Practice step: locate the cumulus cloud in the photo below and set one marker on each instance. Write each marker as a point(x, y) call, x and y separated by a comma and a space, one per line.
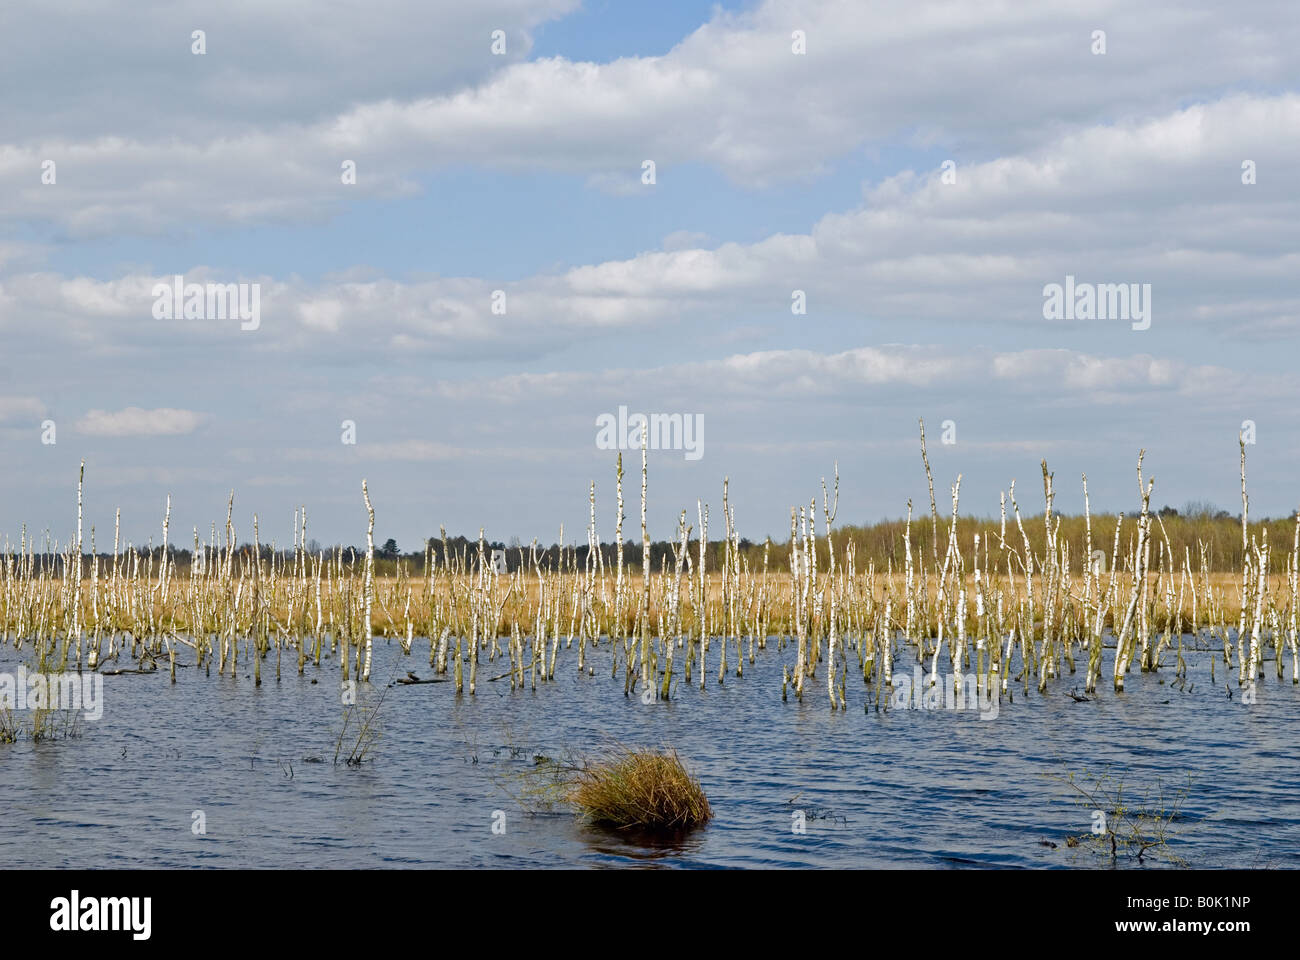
point(267, 63)
point(861, 371)
point(924, 296)
point(921, 260)
point(136, 422)
point(731, 95)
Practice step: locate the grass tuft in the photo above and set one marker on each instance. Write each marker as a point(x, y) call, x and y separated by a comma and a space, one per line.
point(650, 789)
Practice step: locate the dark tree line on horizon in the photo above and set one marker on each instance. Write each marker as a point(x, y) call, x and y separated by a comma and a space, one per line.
point(881, 543)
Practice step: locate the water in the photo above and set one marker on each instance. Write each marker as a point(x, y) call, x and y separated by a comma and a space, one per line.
point(910, 788)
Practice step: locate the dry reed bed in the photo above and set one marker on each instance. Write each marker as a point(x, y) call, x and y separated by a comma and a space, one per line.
point(1002, 612)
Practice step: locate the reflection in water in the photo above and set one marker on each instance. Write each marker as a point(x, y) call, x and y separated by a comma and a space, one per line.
point(642, 847)
point(935, 788)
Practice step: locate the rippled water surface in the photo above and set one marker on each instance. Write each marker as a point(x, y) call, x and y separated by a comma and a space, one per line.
point(905, 788)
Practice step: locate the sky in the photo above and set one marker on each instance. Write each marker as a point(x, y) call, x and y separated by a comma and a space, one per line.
point(462, 263)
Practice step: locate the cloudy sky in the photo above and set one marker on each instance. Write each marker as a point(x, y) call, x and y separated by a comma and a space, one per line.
point(921, 171)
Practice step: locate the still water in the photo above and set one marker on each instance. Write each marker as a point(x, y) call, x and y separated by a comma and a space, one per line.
point(907, 788)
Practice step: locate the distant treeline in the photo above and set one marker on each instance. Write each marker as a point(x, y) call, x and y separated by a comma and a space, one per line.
point(1219, 532)
point(881, 543)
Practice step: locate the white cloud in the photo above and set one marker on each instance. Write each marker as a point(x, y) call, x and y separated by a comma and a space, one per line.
point(924, 298)
point(269, 62)
point(861, 371)
point(20, 408)
point(135, 422)
point(1218, 255)
point(731, 95)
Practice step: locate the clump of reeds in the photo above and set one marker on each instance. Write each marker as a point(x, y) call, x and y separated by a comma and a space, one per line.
point(10, 731)
point(648, 789)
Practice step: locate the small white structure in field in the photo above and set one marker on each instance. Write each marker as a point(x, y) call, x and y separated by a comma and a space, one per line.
point(498, 561)
point(1099, 562)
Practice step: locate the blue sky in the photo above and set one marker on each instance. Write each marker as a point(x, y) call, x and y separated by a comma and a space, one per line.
point(775, 172)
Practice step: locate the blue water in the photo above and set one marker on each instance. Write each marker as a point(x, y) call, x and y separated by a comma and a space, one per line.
point(914, 788)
